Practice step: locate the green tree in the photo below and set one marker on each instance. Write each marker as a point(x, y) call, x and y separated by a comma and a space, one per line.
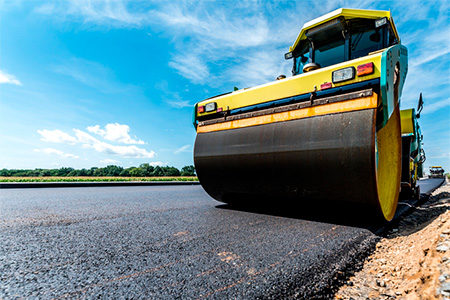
point(112, 170)
point(136, 172)
point(125, 172)
point(158, 171)
point(188, 171)
point(171, 171)
point(147, 170)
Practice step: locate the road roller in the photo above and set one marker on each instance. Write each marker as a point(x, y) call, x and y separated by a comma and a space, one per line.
point(330, 133)
point(413, 155)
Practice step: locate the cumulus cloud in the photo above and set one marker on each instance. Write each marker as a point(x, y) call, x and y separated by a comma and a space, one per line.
point(56, 136)
point(88, 141)
point(112, 132)
point(115, 132)
point(56, 152)
point(8, 78)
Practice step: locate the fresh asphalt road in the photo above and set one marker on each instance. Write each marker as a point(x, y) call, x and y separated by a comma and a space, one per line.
point(429, 185)
point(166, 242)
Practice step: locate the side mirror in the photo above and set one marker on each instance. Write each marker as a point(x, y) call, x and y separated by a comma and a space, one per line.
point(419, 106)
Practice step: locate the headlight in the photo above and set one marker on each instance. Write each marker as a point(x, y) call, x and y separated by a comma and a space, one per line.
point(381, 22)
point(343, 74)
point(209, 107)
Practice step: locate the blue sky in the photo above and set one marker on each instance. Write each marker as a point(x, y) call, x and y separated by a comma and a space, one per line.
point(92, 83)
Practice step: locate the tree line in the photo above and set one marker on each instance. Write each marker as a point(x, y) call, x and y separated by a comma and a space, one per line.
point(144, 170)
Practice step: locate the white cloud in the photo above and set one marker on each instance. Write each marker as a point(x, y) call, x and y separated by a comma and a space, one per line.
point(157, 163)
point(180, 103)
point(430, 108)
point(191, 67)
point(109, 13)
point(184, 148)
point(89, 141)
point(8, 78)
point(109, 161)
point(172, 97)
point(92, 74)
point(204, 35)
point(115, 132)
point(259, 68)
point(218, 25)
point(56, 152)
point(56, 136)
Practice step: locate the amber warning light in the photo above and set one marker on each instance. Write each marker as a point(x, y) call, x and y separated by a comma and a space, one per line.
point(365, 69)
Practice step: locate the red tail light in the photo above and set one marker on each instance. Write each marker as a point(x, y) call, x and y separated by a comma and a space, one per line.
point(325, 85)
point(365, 69)
point(201, 109)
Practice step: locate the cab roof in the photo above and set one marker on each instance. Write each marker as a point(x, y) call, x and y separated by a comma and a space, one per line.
point(348, 14)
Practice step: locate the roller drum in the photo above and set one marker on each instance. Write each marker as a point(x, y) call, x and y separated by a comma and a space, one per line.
point(337, 157)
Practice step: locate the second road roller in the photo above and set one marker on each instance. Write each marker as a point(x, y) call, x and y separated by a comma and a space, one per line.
point(329, 133)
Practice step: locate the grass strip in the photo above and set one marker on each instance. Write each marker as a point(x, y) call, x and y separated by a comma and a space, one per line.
point(94, 179)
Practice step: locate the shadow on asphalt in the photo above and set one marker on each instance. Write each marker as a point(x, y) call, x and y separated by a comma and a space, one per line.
point(345, 215)
point(424, 212)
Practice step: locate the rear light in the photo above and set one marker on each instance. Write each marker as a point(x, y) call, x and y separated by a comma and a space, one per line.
point(365, 69)
point(219, 109)
point(343, 74)
point(325, 85)
point(201, 109)
point(211, 106)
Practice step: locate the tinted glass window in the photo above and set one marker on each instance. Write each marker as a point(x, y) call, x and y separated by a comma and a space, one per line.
point(364, 42)
point(392, 38)
point(330, 54)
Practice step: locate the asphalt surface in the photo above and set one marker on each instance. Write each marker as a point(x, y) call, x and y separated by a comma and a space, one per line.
point(429, 185)
point(168, 242)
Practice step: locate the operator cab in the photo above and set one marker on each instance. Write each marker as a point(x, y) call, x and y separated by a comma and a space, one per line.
point(341, 40)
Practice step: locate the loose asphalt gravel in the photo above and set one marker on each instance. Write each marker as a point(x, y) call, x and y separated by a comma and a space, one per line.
point(168, 242)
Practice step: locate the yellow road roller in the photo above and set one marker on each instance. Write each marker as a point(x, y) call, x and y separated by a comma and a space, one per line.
point(329, 133)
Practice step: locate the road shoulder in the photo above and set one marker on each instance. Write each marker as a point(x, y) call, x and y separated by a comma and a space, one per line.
point(412, 260)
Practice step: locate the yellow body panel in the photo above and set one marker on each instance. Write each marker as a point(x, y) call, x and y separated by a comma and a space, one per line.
point(347, 14)
point(389, 148)
point(331, 108)
point(292, 86)
point(407, 122)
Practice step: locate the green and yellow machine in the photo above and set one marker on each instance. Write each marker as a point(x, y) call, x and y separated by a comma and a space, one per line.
point(331, 132)
point(436, 172)
point(413, 155)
